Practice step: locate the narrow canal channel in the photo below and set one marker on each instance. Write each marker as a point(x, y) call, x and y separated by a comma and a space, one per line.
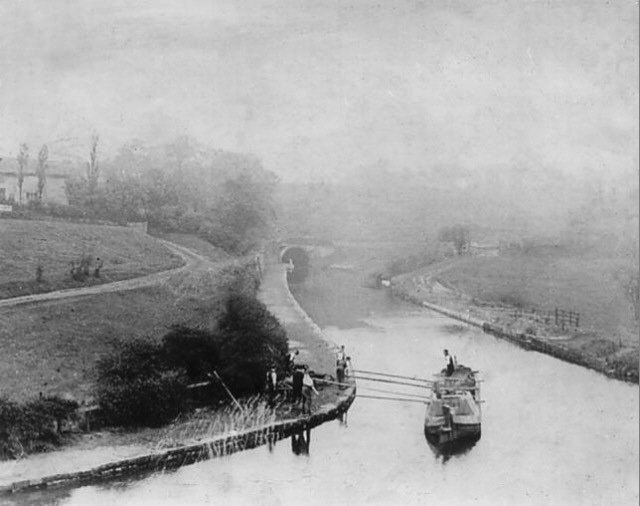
point(553, 433)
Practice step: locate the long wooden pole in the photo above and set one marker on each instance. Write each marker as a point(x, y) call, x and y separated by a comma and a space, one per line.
point(228, 391)
point(371, 389)
point(390, 398)
point(358, 377)
point(387, 375)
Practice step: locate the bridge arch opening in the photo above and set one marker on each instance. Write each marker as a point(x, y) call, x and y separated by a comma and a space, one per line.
point(300, 259)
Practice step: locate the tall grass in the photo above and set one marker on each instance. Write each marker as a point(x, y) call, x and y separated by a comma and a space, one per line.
point(208, 423)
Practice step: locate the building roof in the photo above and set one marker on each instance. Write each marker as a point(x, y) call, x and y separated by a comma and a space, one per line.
point(55, 168)
point(55, 175)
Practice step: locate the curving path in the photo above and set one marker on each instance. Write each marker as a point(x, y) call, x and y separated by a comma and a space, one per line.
point(192, 261)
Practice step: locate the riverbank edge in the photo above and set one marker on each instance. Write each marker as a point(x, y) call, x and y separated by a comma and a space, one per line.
point(523, 340)
point(219, 446)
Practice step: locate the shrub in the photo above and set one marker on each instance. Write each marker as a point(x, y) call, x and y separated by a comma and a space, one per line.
point(33, 426)
point(251, 340)
point(191, 350)
point(239, 280)
point(143, 383)
point(136, 388)
point(145, 401)
point(221, 237)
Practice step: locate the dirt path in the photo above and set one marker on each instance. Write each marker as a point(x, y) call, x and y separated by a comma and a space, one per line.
point(94, 450)
point(192, 261)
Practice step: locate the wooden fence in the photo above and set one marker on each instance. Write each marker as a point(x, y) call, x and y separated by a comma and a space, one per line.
point(559, 317)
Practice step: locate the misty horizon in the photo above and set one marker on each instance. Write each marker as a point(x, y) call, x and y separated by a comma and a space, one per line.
point(318, 90)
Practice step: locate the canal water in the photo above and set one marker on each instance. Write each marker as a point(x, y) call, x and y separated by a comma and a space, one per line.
point(553, 433)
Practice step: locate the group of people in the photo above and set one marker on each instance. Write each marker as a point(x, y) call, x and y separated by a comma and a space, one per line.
point(302, 385)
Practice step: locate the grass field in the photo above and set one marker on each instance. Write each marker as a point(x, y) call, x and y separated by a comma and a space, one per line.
point(51, 347)
point(594, 287)
point(490, 288)
point(25, 244)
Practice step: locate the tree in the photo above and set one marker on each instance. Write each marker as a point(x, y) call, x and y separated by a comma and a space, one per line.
point(43, 155)
point(23, 161)
point(458, 235)
point(252, 341)
point(135, 387)
point(93, 169)
point(245, 208)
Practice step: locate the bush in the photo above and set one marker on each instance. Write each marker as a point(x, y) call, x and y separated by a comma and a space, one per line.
point(145, 401)
point(252, 340)
point(135, 386)
point(193, 351)
point(33, 426)
point(221, 237)
point(239, 280)
point(143, 383)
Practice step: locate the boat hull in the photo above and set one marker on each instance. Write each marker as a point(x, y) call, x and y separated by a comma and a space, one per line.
point(453, 413)
point(438, 435)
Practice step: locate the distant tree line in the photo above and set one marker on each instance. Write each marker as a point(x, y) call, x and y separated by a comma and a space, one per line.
point(224, 197)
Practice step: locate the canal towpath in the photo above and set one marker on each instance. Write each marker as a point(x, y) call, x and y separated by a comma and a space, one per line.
point(106, 451)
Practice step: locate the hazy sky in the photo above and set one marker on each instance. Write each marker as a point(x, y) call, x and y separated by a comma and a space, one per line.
point(316, 87)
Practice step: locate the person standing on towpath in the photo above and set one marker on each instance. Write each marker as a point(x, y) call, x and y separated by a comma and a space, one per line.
point(296, 391)
point(291, 360)
point(308, 389)
point(341, 365)
point(272, 383)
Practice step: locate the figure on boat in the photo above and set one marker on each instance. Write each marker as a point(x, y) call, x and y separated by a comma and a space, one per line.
point(450, 365)
point(453, 412)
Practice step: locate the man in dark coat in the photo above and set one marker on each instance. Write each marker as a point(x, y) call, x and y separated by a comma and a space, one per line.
point(296, 390)
point(272, 383)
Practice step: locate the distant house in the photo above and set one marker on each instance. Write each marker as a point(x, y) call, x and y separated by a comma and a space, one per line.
point(54, 187)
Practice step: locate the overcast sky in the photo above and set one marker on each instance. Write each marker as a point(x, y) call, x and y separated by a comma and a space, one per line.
point(316, 87)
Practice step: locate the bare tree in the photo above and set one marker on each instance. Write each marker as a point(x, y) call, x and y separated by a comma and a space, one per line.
point(23, 161)
point(93, 170)
point(43, 156)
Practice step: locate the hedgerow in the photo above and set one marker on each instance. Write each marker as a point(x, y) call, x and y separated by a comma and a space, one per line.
point(144, 383)
point(32, 426)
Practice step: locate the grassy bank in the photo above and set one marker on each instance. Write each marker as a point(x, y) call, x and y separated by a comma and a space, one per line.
point(51, 347)
point(52, 245)
point(516, 290)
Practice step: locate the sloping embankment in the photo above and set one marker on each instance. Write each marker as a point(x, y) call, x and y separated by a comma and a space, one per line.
point(524, 340)
point(317, 352)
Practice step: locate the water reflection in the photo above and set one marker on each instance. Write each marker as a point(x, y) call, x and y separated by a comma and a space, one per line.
point(300, 442)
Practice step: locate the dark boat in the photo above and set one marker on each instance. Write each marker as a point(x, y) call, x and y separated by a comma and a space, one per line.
point(453, 415)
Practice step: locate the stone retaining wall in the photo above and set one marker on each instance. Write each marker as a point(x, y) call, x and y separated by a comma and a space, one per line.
point(177, 457)
point(215, 447)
